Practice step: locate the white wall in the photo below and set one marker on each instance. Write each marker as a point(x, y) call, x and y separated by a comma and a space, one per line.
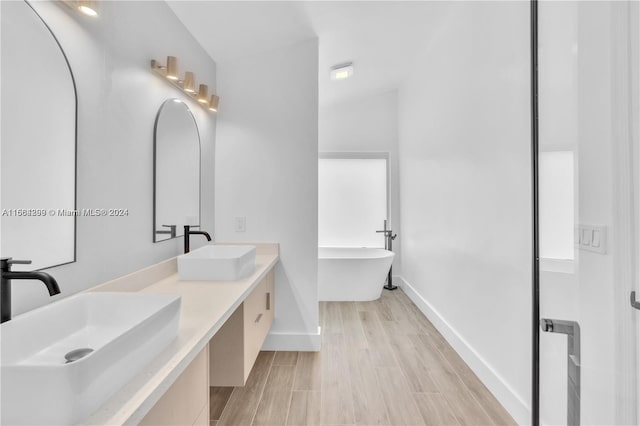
point(368, 124)
point(118, 98)
point(267, 171)
point(464, 140)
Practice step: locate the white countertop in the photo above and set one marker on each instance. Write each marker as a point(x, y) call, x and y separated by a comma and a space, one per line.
point(205, 306)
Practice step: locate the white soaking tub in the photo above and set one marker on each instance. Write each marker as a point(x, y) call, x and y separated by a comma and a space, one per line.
point(351, 273)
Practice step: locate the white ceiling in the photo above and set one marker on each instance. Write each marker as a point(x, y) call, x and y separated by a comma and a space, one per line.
point(381, 38)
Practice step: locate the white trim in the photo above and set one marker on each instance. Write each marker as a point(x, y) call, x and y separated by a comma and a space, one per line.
point(301, 342)
point(510, 400)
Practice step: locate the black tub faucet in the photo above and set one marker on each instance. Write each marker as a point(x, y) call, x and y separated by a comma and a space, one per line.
point(188, 232)
point(389, 236)
point(8, 275)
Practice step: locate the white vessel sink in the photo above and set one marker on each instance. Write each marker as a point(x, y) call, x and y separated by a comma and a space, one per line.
point(125, 330)
point(218, 262)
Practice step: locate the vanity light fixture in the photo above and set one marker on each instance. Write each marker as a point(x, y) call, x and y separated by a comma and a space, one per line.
point(213, 103)
point(86, 7)
point(342, 71)
point(203, 94)
point(189, 82)
point(172, 68)
point(170, 74)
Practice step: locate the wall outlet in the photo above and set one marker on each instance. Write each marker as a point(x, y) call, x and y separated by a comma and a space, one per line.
point(240, 223)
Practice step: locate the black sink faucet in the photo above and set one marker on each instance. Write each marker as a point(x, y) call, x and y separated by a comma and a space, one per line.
point(188, 232)
point(8, 275)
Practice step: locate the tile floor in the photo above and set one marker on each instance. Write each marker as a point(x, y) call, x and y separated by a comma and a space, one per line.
point(382, 363)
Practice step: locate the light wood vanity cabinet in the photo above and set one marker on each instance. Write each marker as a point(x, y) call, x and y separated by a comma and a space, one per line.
point(226, 361)
point(234, 348)
point(187, 400)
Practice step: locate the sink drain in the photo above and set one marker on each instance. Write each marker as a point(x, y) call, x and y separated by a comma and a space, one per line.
point(76, 354)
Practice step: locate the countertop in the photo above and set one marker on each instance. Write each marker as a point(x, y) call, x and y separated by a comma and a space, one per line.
point(205, 306)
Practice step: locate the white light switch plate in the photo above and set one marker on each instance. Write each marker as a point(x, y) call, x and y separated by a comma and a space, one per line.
point(240, 223)
point(592, 238)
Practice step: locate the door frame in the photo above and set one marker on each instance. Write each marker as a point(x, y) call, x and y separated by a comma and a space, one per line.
point(535, 229)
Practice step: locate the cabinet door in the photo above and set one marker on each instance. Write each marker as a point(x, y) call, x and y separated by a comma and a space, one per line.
point(236, 345)
point(226, 352)
point(185, 401)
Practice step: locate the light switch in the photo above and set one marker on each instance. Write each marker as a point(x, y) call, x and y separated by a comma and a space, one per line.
point(240, 224)
point(593, 238)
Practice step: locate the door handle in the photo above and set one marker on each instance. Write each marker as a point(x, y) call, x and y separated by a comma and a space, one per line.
point(634, 302)
point(572, 330)
point(258, 318)
point(268, 301)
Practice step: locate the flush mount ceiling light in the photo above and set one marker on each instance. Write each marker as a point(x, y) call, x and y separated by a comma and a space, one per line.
point(169, 73)
point(342, 71)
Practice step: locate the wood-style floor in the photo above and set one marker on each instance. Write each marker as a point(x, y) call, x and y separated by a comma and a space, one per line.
point(382, 363)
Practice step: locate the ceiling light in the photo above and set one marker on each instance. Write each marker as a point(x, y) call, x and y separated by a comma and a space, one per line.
point(342, 71)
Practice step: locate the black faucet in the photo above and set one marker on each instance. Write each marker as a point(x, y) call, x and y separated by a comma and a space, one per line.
point(188, 232)
point(8, 275)
point(389, 236)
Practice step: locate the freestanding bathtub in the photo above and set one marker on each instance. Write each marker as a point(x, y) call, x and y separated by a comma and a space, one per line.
point(352, 274)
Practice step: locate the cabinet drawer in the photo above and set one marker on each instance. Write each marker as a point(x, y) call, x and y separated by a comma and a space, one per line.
point(270, 302)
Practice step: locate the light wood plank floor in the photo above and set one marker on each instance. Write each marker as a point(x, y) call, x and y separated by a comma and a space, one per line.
point(382, 363)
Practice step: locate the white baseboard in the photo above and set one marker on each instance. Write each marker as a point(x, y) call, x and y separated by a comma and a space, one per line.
point(519, 409)
point(309, 342)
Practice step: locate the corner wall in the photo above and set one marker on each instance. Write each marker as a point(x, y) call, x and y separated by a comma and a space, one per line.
point(267, 172)
point(118, 98)
point(464, 148)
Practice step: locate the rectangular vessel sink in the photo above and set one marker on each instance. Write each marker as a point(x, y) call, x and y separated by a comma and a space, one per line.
point(218, 262)
point(124, 330)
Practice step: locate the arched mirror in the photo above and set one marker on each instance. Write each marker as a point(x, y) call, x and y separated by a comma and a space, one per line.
point(38, 141)
point(176, 171)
